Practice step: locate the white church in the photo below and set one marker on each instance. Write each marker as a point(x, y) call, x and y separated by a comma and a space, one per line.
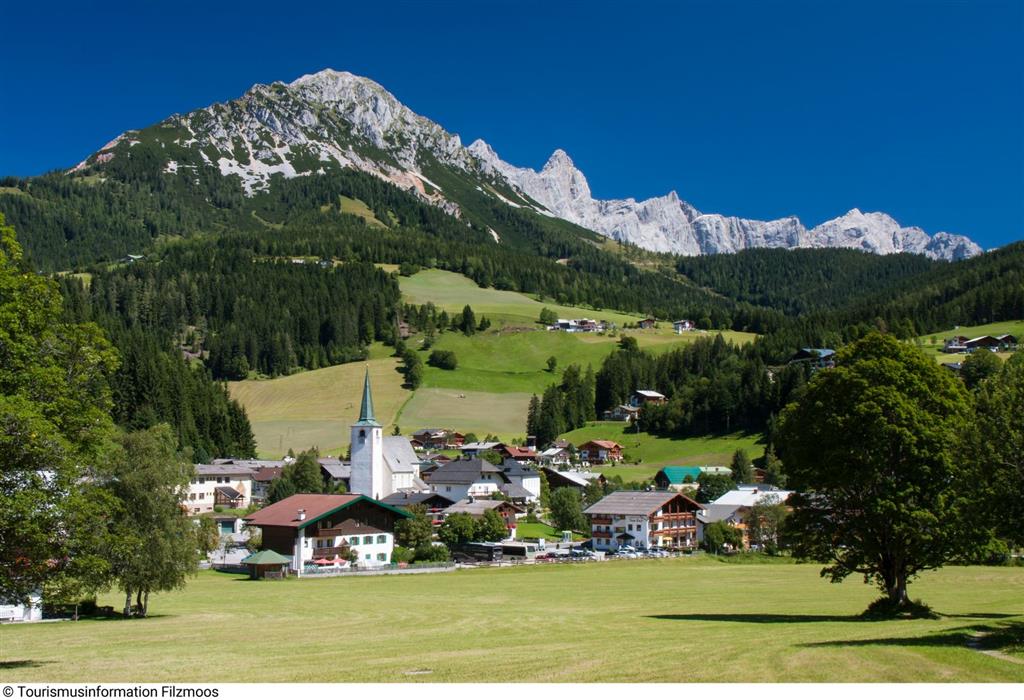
point(380, 465)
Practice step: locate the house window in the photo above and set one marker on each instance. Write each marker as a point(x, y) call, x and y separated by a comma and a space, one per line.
point(368, 556)
point(382, 557)
point(382, 539)
point(362, 436)
point(191, 497)
point(368, 540)
point(448, 489)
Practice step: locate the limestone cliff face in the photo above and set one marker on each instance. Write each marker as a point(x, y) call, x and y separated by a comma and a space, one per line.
point(333, 118)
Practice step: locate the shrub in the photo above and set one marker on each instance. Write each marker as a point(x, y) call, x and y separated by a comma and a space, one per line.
point(443, 359)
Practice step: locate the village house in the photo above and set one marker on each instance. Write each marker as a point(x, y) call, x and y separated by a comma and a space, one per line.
point(600, 451)
point(683, 326)
point(1007, 342)
point(622, 412)
point(476, 507)
point(315, 530)
point(987, 342)
point(818, 358)
point(22, 612)
point(227, 485)
point(734, 506)
point(523, 482)
point(642, 397)
point(437, 439)
point(644, 519)
point(471, 450)
point(571, 479)
point(554, 456)
point(676, 478)
point(433, 503)
point(261, 480)
point(647, 322)
point(519, 454)
point(467, 477)
point(956, 344)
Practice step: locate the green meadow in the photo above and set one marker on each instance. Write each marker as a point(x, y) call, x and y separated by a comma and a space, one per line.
point(1015, 328)
point(676, 620)
point(488, 392)
point(646, 454)
point(316, 408)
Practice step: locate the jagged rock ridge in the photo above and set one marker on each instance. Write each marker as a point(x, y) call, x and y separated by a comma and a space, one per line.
point(336, 118)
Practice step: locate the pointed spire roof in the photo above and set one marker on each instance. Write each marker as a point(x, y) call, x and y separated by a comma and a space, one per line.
point(366, 416)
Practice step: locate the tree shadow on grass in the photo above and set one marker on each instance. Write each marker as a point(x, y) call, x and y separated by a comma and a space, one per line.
point(981, 637)
point(759, 618)
point(774, 618)
point(21, 663)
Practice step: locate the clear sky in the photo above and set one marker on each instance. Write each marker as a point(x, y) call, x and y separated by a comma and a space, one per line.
point(757, 109)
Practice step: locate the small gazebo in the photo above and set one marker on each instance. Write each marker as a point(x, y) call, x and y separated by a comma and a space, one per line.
point(267, 564)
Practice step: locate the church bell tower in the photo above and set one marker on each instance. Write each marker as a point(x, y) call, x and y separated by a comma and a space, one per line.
point(367, 445)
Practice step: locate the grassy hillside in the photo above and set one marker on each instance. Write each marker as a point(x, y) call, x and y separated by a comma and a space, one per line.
point(497, 372)
point(542, 623)
point(478, 412)
point(646, 454)
point(1012, 327)
point(316, 408)
point(451, 291)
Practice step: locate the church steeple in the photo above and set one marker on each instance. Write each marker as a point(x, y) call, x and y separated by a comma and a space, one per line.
point(366, 416)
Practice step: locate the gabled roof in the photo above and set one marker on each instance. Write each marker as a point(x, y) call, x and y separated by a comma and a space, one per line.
point(400, 499)
point(483, 446)
point(335, 468)
point(284, 513)
point(479, 506)
point(514, 468)
point(650, 393)
point(515, 491)
point(266, 556)
point(751, 495)
point(606, 444)
point(635, 502)
point(399, 455)
point(266, 473)
point(677, 475)
point(713, 512)
point(465, 471)
point(206, 470)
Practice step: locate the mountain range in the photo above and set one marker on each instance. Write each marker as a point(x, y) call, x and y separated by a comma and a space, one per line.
point(336, 119)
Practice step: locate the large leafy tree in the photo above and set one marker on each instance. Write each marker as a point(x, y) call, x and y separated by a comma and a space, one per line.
point(54, 418)
point(998, 444)
point(491, 527)
point(155, 546)
point(872, 447)
point(567, 509)
point(414, 532)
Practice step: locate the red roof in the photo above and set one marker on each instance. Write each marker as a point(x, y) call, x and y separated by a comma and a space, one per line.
point(285, 513)
point(516, 451)
point(266, 473)
point(606, 444)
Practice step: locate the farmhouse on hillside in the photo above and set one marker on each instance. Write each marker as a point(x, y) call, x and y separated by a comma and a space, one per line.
point(642, 397)
point(600, 451)
point(683, 326)
point(571, 479)
point(315, 530)
point(644, 519)
point(676, 478)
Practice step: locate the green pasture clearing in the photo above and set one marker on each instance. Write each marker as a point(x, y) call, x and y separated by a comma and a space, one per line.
point(641, 621)
point(646, 453)
point(451, 291)
point(359, 208)
point(1015, 328)
point(477, 412)
point(317, 407)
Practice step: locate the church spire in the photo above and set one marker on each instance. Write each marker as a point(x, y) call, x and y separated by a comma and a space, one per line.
point(366, 416)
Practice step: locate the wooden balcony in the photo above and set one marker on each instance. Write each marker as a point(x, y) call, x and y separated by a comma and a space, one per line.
point(328, 552)
point(600, 520)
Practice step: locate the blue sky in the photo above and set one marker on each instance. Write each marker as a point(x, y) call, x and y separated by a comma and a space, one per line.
point(755, 109)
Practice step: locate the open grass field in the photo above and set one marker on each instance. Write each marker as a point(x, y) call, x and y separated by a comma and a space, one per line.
point(477, 412)
point(646, 454)
point(1012, 327)
point(681, 620)
point(317, 407)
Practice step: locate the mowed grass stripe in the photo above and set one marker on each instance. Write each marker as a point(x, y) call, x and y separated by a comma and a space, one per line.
point(614, 621)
